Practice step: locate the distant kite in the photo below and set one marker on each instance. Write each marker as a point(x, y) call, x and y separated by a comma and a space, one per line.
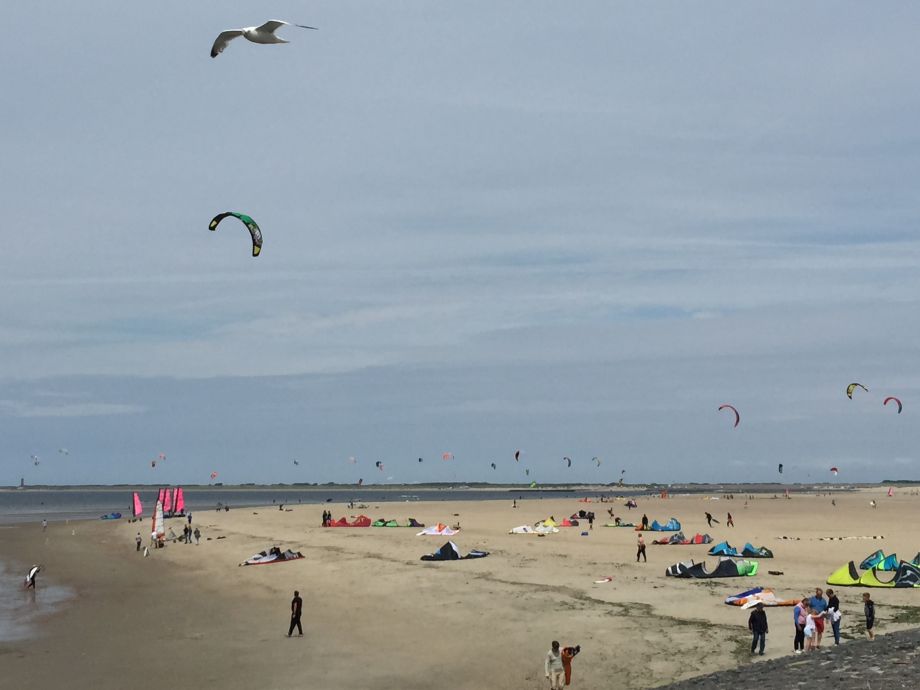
point(213, 476)
point(891, 397)
point(420, 460)
point(447, 456)
point(517, 456)
point(379, 465)
point(493, 465)
point(250, 224)
point(297, 463)
point(732, 408)
point(834, 471)
point(596, 461)
point(527, 472)
point(852, 387)
point(352, 460)
point(780, 468)
point(35, 460)
point(63, 451)
point(568, 460)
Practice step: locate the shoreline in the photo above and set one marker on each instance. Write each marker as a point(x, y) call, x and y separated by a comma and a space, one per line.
point(378, 617)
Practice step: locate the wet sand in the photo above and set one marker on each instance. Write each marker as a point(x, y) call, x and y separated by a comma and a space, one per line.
point(377, 617)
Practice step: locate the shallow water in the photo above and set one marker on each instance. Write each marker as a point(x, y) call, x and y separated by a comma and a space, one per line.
point(33, 505)
point(21, 609)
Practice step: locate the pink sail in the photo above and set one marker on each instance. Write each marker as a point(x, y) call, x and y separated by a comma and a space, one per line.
point(160, 495)
point(138, 507)
point(167, 501)
point(179, 502)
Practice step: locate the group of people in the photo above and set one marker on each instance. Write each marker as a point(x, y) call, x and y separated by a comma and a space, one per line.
point(327, 517)
point(729, 521)
point(558, 665)
point(810, 616)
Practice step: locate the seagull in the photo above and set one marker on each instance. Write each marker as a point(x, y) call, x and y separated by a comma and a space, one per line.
point(264, 34)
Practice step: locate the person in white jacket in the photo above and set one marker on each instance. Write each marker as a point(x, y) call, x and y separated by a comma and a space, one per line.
point(553, 667)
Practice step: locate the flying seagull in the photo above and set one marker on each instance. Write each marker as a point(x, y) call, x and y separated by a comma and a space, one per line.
point(264, 34)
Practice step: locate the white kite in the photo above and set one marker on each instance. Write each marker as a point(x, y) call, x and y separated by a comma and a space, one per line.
point(264, 34)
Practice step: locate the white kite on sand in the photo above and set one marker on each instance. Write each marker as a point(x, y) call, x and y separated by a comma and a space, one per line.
point(264, 34)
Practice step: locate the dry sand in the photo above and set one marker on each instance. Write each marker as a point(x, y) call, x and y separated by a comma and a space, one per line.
point(377, 617)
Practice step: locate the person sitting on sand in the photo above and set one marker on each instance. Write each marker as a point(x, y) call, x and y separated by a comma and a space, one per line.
point(553, 667)
point(617, 521)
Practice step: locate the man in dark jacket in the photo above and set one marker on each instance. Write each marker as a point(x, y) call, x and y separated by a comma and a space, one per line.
point(757, 624)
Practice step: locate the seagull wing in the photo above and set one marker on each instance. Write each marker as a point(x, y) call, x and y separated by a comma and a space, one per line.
point(271, 26)
point(223, 38)
point(274, 24)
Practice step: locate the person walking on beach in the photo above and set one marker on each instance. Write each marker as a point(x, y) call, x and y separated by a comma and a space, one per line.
point(296, 608)
point(555, 671)
point(798, 620)
point(757, 624)
point(640, 543)
point(729, 522)
point(137, 542)
point(869, 610)
point(44, 524)
point(197, 536)
point(591, 520)
point(189, 516)
point(818, 606)
point(710, 519)
point(833, 612)
point(569, 653)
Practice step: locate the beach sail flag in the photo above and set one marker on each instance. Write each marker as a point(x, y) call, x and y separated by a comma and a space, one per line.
point(890, 491)
point(138, 507)
point(167, 501)
point(179, 501)
point(158, 527)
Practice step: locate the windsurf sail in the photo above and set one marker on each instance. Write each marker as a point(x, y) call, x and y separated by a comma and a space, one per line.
point(167, 501)
point(158, 527)
point(138, 507)
point(179, 502)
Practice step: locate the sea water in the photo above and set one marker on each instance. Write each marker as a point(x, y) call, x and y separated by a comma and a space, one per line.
point(22, 610)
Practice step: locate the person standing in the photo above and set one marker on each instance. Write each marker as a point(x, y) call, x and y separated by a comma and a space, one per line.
point(757, 624)
point(44, 524)
point(640, 544)
point(818, 606)
point(569, 653)
point(729, 522)
point(833, 611)
point(137, 542)
point(189, 516)
point(798, 619)
point(869, 610)
point(555, 671)
point(591, 520)
point(296, 608)
point(710, 519)
point(644, 521)
point(197, 536)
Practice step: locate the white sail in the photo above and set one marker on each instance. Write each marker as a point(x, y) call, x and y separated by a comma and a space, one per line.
point(158, 520)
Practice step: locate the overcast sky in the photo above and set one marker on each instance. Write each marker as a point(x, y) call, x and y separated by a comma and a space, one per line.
point(571, 229)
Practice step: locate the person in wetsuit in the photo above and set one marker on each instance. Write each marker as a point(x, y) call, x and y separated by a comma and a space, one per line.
point(296, 608)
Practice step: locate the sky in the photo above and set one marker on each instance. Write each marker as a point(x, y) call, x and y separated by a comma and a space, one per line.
point(566, 230)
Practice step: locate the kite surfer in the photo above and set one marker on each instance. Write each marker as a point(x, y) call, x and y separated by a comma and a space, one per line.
point(296, 608)
point(729, 522)
point(710, 519)
point(30, 578)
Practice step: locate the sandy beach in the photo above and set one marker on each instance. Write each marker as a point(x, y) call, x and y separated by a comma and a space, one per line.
point(377, 617)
